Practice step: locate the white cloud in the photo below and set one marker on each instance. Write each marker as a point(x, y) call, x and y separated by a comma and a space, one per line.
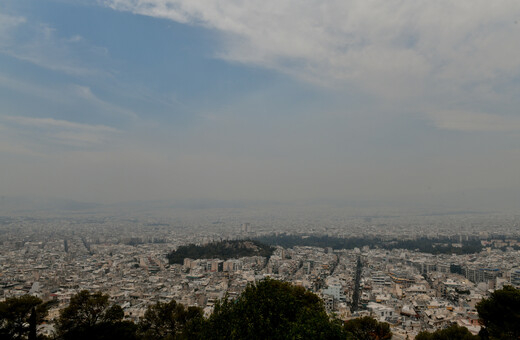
point(390, 47)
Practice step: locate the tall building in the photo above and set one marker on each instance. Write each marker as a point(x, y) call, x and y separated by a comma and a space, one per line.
point(515, 277)
point(246, 227)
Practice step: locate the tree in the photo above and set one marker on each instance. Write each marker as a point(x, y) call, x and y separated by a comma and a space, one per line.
point(18, 315)
point(367, 328)
point(32, 324)
point(90, 316)
point(500, 314)
point(272, 310)
point(171, 321)
point(454, 332)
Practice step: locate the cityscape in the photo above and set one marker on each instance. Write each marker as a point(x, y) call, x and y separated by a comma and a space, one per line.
point(54, 258)
point(260, 169)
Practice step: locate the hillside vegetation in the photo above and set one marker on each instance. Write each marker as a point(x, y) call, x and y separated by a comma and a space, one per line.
point(441, 245)
point(223, 250)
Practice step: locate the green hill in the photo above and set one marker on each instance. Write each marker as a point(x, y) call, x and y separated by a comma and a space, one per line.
point(223, 250)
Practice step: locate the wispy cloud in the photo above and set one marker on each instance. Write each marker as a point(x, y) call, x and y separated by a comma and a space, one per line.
point(39, 44)
point(46, 123)
point(32, 55)
point(67, 94)
point(38, 132)
point(7, 23)
point(86, 93)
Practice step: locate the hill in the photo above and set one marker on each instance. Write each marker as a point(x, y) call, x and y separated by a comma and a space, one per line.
point(222, 250)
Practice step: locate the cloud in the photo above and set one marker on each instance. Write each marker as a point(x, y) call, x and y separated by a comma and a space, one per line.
point(86, 93)
point(46, 123)
point(71, 95)
point(75, 39)
point(41, 45)
point(389, 47)
point(474, 121)
point(37, 133)
point(422, 56)
point(7, 23)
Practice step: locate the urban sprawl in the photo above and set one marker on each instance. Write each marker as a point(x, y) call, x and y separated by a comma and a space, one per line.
point(54, 258)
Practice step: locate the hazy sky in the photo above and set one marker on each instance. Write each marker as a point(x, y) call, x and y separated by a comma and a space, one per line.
point(280, 100)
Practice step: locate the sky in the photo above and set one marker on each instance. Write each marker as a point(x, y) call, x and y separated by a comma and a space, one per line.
point(270, 100)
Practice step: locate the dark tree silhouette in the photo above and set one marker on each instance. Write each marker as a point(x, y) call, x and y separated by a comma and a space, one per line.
point(32, 324)
point(272, 309)
point(367, 328)
point(500, 314)
point(20, 315)
point(170, 321)
point(91, 316)
point(454, 332)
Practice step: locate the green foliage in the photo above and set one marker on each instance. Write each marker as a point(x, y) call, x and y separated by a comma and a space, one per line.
point(367, 328)
point(90, 316)
point(454, 332)
point(170, 321)
point(272, 310)
point(18, 315)
point(500, 314)
point(423, 244)
point(223, 250)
